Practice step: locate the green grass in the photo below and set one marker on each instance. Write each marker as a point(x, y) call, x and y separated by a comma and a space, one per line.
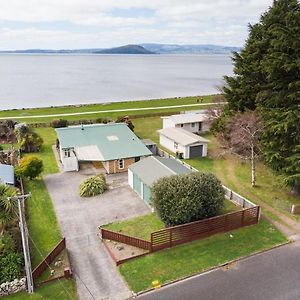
point(62, 290)
point(140, 227)
point(30, 113)
point(46, 154)
point(42, 223)
point(200, 255)
point(146, 128)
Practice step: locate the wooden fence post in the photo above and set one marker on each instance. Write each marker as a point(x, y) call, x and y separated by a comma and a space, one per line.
point(242, 219)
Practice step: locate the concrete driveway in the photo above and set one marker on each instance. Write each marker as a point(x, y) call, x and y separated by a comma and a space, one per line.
point(95, 273)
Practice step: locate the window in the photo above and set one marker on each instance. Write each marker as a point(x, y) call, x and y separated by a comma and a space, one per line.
point(193, 124)
point(175, 145)
point(67, 153)
point(136, 159)
point(121, 163)
point(200, 126)
point(181, 125)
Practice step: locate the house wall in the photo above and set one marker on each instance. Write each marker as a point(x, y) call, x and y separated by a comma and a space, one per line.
point(169, 144)
point(195, 129)
point(130, 178)
point(112, 166)
point(167, 123)
point(70, 163)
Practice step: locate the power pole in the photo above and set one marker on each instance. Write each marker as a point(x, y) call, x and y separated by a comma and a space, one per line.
point(24, 234)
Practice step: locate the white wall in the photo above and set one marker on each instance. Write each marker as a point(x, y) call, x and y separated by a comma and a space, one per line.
point(195, 129)
point(69, 163)
point(169, 144)
point(167, 123)
point(130, 178)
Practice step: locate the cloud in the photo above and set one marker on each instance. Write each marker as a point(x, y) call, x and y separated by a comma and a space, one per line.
point(104, 23)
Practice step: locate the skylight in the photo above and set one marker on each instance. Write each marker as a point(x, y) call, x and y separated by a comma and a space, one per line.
point(112, 138)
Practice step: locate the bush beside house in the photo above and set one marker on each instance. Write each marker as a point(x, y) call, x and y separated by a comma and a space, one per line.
point(181, 199)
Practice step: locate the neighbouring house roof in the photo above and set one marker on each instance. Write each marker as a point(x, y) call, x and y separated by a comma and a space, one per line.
point(182, 137)
point(7, 174)
point(102, 141)
point(152, 168)
point(188, 118)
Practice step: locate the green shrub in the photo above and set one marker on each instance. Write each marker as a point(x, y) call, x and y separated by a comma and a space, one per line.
point(30, 167)
point(181, 199)
point(11, 265)
point(11, 262)
point(59, 123)
point(93, 186)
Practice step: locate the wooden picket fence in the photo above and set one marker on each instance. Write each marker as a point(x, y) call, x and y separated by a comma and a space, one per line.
point(173, 236)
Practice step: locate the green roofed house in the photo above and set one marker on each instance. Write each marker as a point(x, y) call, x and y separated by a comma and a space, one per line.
point(145, 172)
point(114, 144)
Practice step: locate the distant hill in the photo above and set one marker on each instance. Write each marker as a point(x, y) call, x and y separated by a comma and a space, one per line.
point(138, 49)
point(189, 49)
point(128, 49)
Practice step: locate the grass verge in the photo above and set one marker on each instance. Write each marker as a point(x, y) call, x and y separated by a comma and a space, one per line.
point(198, 256)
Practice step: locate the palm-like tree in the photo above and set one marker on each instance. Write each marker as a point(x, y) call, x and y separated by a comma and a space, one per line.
point(8, 207)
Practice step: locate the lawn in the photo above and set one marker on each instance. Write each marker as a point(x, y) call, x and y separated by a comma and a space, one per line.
point(62, 290)
point(141, 227)
point(233, 172)
point(200, 255)
point(30, 113)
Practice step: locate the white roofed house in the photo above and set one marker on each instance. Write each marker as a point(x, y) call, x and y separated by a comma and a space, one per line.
point(192, 122)
point(182, 142)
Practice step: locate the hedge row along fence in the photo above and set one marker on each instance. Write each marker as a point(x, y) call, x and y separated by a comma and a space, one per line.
point(173, 236)
point(94, 120)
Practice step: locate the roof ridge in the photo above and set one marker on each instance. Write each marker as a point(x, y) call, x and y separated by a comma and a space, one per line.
point(164, 165)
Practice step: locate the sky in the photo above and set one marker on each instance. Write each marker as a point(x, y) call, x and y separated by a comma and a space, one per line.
point(73, 24)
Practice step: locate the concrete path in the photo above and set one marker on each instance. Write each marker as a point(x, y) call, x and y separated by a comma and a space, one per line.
point(95, 273)
point(273, 275)
point(111, 111)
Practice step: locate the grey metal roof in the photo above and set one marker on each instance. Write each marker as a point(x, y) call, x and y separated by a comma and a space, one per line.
point(148, 142)
point(152, 168)
point(182, 136)
point(7, 174)
point(114, 141)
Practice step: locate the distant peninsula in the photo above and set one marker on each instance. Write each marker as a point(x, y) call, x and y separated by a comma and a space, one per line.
point(128, 49)
point(137, 49)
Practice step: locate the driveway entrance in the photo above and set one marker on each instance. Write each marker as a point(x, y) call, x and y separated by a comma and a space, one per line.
point(95, 273)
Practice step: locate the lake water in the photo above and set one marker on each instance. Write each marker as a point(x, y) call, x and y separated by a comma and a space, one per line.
point(45, 80)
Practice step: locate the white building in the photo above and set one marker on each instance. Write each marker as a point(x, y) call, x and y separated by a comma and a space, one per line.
point(192, 122)
point(183, 142)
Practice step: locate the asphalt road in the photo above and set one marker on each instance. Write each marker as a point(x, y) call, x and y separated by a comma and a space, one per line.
point(273, 275)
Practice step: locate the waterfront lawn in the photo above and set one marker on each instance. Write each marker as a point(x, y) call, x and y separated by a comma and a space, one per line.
point(30, 113)
point(200, 255)
point(62, 290)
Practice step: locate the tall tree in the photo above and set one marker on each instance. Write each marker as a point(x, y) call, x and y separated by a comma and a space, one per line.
point(267, 78)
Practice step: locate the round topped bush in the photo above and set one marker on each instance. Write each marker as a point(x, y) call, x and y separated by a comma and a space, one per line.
point(181, 199)
point(93, 186)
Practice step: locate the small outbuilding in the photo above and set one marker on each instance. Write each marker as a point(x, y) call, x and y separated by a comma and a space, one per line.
point(7, 175)
point(114, 145)
point(192, 122)
point(145, 172)
point(184, 143)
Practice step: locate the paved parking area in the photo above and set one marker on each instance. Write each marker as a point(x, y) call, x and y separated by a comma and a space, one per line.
point(95, 273)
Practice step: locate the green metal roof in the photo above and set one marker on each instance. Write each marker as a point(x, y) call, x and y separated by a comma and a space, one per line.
point(114, 141)
point(152, 168)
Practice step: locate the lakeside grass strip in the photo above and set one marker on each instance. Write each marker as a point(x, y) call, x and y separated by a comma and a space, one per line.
point(111, 111)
